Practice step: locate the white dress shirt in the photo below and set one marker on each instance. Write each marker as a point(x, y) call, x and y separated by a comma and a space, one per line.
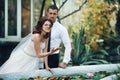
point(59, 34)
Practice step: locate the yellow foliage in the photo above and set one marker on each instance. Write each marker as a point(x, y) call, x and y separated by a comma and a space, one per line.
point(96, 20)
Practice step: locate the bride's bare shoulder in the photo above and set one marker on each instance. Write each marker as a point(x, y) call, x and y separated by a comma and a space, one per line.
point(35, 36)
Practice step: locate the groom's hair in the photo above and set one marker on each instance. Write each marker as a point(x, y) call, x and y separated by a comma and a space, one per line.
point(54, 7)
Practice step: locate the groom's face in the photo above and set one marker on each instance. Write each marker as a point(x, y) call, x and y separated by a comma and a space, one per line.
point(52, 14)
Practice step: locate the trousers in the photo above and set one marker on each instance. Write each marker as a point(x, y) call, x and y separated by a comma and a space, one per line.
point(53, 60)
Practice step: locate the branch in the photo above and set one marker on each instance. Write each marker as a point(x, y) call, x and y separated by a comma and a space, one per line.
point(74, 11)
point(63, 4)
point(54, 2)
point(42, 8)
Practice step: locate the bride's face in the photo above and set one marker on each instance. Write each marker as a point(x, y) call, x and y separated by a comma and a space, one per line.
point(46, 26)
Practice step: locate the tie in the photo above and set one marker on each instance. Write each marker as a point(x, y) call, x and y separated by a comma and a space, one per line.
point(49, 43)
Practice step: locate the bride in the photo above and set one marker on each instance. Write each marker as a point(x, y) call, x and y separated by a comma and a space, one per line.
point(31, 52)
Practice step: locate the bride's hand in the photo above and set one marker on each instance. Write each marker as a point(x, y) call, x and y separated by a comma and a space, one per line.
point(54, 50)
point(49, 69)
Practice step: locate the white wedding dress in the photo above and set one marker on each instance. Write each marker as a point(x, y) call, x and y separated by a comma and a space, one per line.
point(23, 59)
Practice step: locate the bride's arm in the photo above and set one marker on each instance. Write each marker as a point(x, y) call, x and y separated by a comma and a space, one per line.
point(46, 59)
point(36, 41)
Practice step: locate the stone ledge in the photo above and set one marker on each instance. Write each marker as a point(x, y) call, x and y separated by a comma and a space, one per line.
point(73, 70)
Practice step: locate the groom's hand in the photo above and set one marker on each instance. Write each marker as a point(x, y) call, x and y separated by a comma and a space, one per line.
point(62, 65)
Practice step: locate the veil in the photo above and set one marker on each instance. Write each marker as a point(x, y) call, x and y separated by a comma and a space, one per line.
point(22, 43)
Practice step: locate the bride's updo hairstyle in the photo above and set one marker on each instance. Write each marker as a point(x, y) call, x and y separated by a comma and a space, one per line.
point(38, 27)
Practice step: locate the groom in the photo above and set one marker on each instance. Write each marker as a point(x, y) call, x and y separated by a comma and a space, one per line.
point(58, 34)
